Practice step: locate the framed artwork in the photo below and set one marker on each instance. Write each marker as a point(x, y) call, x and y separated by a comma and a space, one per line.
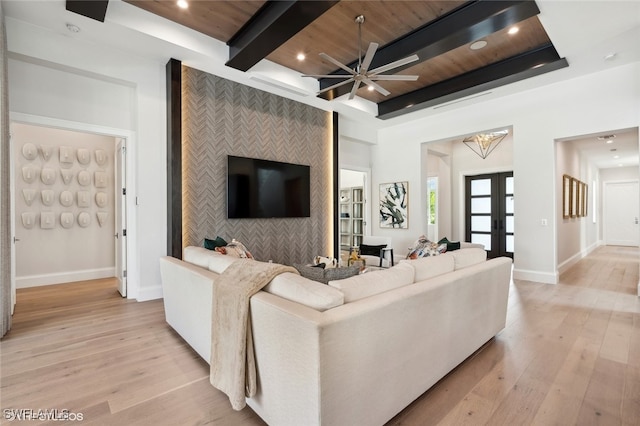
point(585, 199)
point(394, 205)
point(566, 196)
point(574, 197)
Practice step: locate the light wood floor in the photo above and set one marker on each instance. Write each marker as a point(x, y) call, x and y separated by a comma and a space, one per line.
point(570, 354)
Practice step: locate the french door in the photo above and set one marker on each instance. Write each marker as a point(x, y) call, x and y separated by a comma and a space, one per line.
point(489, 212)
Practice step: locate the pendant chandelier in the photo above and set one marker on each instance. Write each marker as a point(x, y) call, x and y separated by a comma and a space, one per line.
point(483, 144)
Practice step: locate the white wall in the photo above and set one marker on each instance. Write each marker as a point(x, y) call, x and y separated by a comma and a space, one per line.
point(62, 254)
point(89, 85)
point(585, 105)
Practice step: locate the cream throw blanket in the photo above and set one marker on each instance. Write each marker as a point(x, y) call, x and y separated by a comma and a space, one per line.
point(233, 369)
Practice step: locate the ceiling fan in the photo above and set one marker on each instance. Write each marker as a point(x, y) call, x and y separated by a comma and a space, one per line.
point(362, 74)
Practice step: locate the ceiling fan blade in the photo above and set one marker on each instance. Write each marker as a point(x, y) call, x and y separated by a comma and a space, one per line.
point(338, 64)
point(327, 76)
point(395, 64)
point(354, 89)
point(376, 86)
point(326, 89)
point(396, 77)
point(368, 57)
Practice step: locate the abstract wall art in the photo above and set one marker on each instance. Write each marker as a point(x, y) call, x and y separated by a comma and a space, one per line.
point(394, 205)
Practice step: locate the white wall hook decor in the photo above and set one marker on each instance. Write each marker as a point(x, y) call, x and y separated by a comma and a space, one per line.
point(101, 199)
point(84, 156)
point(47, 196)
point(66, 154)
point(46, 152)
point(83, 199)
point(48, 176)
point(47, 220)
point(101, 157)
point(29, 151)
point(84, 178)
point(84, 219)
point(28, 219)
point(66, 198)
point(101, 179)
point(102, 217)
point(67, 176)
point(66, 220)
point(29, 174)
point(29, 195)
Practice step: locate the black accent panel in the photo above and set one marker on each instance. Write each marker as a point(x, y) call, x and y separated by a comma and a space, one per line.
point(174, 158)
point(530, 64)
point(275, 23)
point(469, 22)
point(94, 9)
point(336, 187)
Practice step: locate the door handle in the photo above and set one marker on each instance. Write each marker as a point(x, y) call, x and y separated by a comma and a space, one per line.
point(116, 235)
point(495, 224)
point(636, 220)
point(15, 240)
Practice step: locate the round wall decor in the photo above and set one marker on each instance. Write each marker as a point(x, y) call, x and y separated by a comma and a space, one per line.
point(29, 151)
point(84, 178)
point(66, 198)
point(84, 219)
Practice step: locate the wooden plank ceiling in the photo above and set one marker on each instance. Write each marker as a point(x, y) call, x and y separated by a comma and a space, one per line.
point(439, 32)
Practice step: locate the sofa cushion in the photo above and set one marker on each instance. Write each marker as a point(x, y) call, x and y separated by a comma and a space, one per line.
point(198, 256)
point(220, 262)
point(468, 256)
point(325, 275)
point(431, 266)
point(370, 283)
point(310, 293)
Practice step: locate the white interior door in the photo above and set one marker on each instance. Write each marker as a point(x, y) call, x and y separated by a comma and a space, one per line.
point(121, 215)
point(12, 209)
point(621, 213)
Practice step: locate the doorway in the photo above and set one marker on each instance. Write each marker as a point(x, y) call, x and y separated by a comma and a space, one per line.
point(489, 212)
point(621, 214)
point(71, 201)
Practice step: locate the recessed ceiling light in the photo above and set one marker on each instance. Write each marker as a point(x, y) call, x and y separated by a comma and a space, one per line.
point(609, 141)
point(300, 56)
point(538, 66)
point(513, 30)
point(477, 45)
point(606, 137)
point(616, 156)
point(610, 56)
point(73, 28)
point(182, 4)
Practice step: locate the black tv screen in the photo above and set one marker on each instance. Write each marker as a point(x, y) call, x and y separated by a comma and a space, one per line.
point(266, 189)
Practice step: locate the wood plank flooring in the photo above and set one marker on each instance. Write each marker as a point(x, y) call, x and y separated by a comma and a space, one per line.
point(570, 354)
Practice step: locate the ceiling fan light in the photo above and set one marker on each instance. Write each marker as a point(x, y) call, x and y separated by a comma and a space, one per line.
point(182, 4)
point(300, 56)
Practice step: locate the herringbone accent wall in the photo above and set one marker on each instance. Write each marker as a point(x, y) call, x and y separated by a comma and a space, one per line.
point(222, 117)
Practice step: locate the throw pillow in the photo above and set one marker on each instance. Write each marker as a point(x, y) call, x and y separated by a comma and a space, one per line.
point(326, 275)
point(237, 249)
point(423, 248)
point(212, 244)
point(366, 250)
point(451, 245)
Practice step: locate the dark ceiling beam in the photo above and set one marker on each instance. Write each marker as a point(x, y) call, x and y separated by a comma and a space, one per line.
point(94, 9)
point(274, 24)
point(526, 65)
point(468, 23)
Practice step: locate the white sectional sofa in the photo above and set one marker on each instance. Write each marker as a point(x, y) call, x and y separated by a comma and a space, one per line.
point(356, 351)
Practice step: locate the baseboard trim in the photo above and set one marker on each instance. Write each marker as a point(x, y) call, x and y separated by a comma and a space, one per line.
point(64, 277)
point(564, 266)
point(536, 276)
point(150, 293)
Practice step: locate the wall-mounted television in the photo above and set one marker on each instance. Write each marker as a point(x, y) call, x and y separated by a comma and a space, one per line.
point(266, 189)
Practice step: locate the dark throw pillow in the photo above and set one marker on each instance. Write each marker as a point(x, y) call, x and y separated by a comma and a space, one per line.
point(212, 244)
point(451, 245)
point(366, 250)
